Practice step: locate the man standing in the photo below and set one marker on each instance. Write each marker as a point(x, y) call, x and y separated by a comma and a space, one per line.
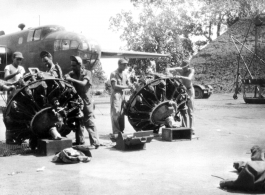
point(186, 76)
point(14, 71)
point(119, 82)
point(82, 81)
point(51, 68)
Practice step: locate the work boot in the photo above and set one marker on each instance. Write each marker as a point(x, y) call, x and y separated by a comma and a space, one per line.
point(113, 137)
point(96, 145)
point(78, 144)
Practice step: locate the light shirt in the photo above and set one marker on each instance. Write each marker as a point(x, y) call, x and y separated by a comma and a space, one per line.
point(12, 69)
point(120, 79)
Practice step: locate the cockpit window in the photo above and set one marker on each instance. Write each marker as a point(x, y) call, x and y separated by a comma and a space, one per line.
point(20, 40)
point(30, 35)
point(65, 44)
point(83, 46)
point(73, 45)
point(34, 35)
point(37, 35)
point(48, 30)
point(57, 45)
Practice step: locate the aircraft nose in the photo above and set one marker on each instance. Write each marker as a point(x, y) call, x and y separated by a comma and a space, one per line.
point(90, 64)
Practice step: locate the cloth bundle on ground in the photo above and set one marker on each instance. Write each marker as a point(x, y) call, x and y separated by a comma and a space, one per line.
point(75, 154)
point(251, 174)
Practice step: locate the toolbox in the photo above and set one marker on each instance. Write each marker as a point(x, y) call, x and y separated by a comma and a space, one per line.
point(133, 141)
point(47, 147)
point(181, 133)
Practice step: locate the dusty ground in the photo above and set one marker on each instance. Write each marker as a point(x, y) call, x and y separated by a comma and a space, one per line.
point(227, 129)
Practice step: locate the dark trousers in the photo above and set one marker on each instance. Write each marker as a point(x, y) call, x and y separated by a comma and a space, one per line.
point(89, 124)
point(79, 132)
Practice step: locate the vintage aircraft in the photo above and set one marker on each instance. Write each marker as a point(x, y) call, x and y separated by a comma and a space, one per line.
point(60, 43)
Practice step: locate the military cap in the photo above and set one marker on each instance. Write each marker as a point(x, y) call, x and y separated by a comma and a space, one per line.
point(17, 54)
point(122, 61)
point(77, 59)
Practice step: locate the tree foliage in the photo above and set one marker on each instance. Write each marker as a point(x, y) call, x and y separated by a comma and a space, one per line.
point(214, 16)
point(169, 26)
point(98, 76)
point(157, 29)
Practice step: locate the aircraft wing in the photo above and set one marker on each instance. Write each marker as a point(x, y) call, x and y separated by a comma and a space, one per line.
point(130, 54)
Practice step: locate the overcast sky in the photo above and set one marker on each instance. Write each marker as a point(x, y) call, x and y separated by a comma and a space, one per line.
point(89, 17)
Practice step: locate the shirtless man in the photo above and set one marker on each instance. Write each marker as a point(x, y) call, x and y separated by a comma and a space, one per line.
point(186, 75)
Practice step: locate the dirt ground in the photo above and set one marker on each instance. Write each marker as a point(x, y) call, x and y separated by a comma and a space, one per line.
point(226, 128)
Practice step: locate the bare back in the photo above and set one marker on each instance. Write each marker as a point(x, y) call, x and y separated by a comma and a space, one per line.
point(187, 73)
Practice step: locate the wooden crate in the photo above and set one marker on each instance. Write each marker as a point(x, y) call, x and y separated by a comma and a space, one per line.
point(182, 133)
point(49, 147)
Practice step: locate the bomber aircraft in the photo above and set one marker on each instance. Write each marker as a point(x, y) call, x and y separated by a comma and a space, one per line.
point(61, 44)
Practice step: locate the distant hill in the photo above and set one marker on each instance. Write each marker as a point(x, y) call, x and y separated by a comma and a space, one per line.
point(216, 64)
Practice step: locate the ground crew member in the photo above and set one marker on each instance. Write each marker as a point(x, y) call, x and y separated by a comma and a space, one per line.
point(186, 76)
point(51, 68)
point(82, 81)
point(119, 82)
point(14, 71)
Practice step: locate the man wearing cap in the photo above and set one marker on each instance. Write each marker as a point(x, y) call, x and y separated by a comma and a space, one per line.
point(52, 69)
point(186, 76)
point(119, 83)
point(14, 71)
point(82, 81)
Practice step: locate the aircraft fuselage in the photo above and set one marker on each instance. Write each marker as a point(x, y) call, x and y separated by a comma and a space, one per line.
point(52, 38)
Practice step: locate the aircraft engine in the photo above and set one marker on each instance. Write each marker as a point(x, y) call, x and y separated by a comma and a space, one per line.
point(155, 101)
point(42, 102)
